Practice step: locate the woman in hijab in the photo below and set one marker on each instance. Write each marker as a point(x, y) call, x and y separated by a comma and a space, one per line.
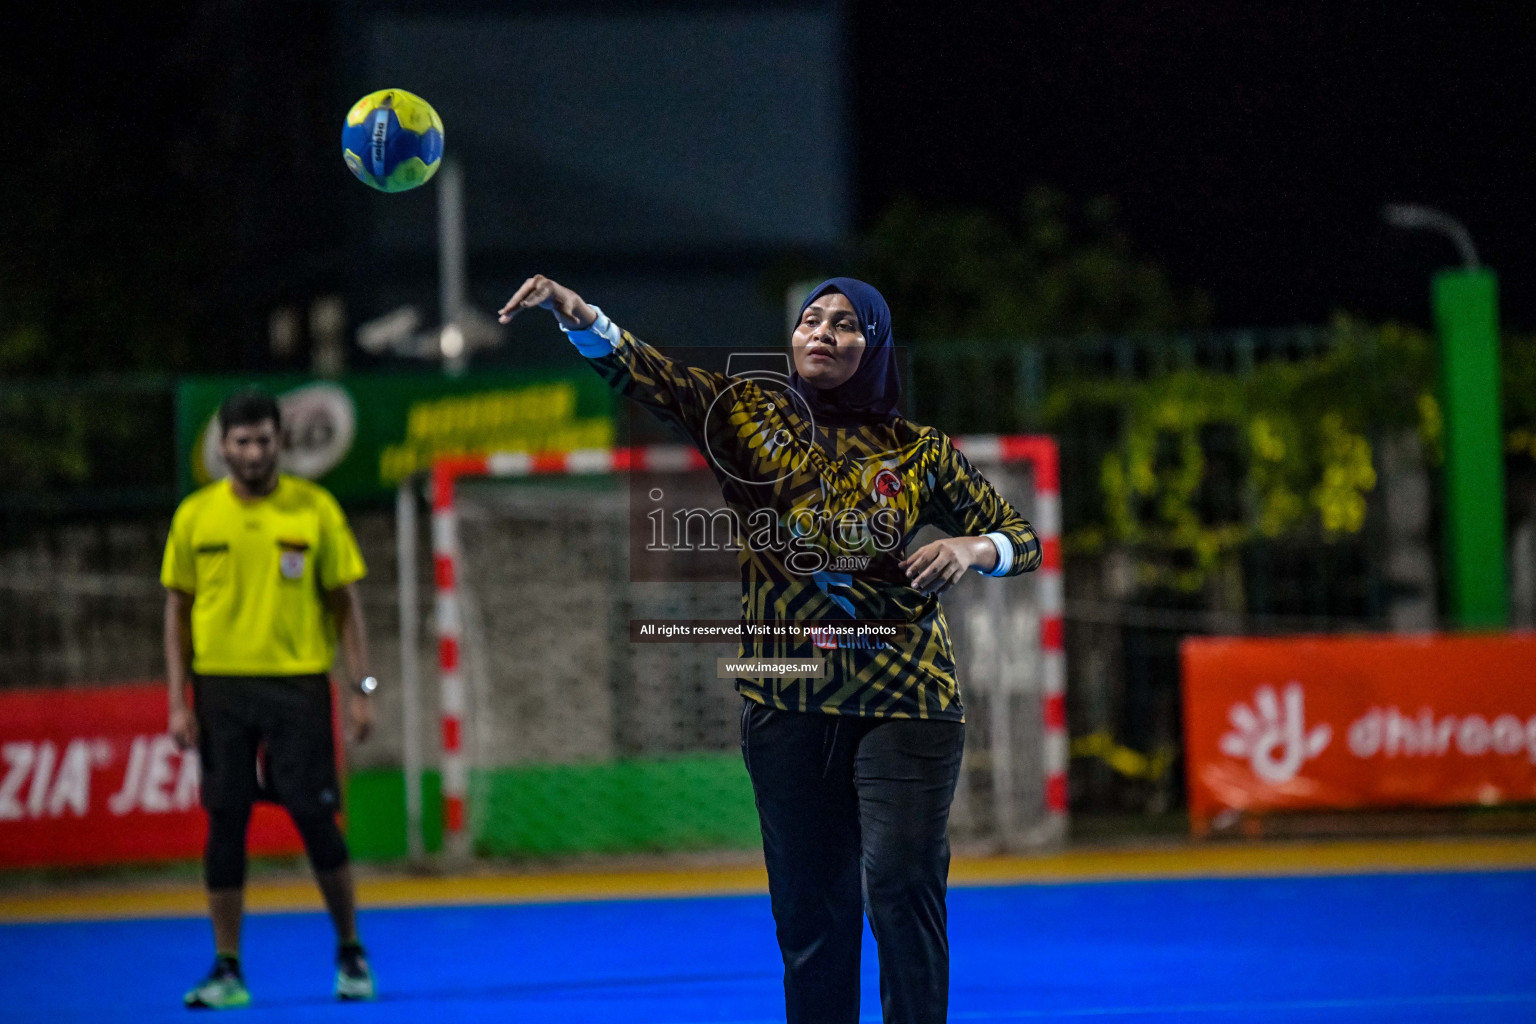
point(853, 769)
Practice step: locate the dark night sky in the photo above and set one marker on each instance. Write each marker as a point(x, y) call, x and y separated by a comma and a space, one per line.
point(1250, 145)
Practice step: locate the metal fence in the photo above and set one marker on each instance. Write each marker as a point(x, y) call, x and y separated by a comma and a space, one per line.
point(1001, 386)
point(81, 602)
point(1123, 631)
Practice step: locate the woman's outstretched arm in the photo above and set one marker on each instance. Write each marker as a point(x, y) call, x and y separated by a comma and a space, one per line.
point(677, 394)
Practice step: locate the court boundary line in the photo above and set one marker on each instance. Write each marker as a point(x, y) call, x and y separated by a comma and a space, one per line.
point(1300, 859)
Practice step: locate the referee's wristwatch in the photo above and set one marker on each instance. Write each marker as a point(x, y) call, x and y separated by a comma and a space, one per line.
point(367, 685)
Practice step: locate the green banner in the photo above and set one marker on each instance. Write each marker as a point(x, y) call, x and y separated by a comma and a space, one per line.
point(360, 435)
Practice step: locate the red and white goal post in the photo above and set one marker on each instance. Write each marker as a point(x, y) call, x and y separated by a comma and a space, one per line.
point(1008, 633)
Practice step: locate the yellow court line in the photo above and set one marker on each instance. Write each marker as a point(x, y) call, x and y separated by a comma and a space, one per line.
point(399, 891)
point(1217, 860)
point(1279, 858)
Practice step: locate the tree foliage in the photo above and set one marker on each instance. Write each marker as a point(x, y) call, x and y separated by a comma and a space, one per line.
point(1206, 462)
point(1051, 269)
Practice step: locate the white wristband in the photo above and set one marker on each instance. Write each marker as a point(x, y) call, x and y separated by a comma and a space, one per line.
point(1004, 554)
point(597, 340)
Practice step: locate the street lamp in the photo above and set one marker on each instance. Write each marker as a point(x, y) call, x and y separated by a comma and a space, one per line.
point(462, 329)
point(1410, 216)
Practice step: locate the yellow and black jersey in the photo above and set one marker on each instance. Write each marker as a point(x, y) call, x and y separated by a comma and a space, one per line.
point(826, 514)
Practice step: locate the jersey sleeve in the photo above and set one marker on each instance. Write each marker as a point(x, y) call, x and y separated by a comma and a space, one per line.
point(178, 567)
point(341, 561)
point(676, 394)
point(965, 504)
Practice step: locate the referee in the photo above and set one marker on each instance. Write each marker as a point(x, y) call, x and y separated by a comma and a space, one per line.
point(260, 572)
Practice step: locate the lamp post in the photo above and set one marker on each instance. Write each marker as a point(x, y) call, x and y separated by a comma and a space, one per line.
point(1465, 304)
point(450, 266)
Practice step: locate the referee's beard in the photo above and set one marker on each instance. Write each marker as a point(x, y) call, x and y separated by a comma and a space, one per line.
point(251, 452)
point(257, 479)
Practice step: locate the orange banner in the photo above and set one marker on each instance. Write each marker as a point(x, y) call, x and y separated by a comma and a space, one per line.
point(90, 776)
point(1355, 722)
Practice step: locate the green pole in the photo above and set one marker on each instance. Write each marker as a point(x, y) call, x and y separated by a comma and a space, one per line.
point(1466, 311)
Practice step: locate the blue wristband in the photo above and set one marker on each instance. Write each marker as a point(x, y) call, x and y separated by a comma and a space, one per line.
point(597, 340)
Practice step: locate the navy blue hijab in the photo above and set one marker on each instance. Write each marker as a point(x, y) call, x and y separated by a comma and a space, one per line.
point(872, 394)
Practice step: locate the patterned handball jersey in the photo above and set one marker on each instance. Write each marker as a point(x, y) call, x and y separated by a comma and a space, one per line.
point(824, 517)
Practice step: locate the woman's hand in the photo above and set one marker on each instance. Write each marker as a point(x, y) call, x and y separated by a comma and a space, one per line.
point(935, 567)
point(538, 290)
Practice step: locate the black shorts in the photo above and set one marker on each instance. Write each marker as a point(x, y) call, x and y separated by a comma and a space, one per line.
point(267, 738)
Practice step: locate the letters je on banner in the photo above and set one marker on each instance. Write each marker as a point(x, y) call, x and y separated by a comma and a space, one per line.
point(90, 776)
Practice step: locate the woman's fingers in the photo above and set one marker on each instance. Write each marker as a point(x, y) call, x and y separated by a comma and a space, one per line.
point(936, 584)
point(922, 556)
point(917, 561)
point(935, 567)
point(931, 565)
point(538, 290)
point(515, 303)
point(933, 584)
point(542, 291)
point(537, 294)
point(948, 576)
point(932, 568)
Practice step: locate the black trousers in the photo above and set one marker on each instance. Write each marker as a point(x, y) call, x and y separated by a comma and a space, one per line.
point(855, 817)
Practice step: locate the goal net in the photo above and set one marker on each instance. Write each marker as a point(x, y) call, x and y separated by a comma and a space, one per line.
point(565, 733)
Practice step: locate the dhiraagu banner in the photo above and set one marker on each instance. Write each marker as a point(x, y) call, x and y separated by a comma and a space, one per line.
point(360, 435)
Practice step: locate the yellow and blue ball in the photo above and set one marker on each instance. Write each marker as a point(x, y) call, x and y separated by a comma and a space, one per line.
point(393, 140)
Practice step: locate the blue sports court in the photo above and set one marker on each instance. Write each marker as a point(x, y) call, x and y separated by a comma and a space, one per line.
point(1422, 946)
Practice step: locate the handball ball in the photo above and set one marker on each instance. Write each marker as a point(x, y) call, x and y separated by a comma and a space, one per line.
point(393, 140)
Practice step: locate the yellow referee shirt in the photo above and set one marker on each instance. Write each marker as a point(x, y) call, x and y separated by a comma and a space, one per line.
point(258, 571)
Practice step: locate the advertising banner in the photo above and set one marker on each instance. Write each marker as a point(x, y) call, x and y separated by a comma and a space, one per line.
point(1358, 722)
point(91, 777)
point(360, 435)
